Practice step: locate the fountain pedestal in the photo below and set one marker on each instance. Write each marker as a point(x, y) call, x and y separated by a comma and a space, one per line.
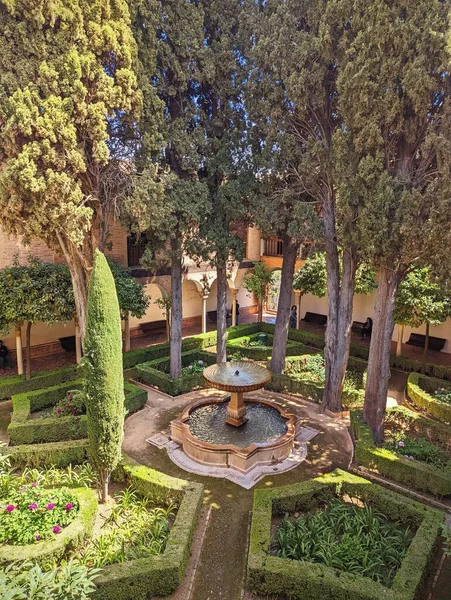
point(236, 410)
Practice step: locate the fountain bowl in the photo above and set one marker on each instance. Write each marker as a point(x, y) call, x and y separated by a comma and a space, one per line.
point(241, 458)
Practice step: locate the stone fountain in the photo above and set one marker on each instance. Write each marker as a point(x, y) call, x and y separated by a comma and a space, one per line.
point(237, 431)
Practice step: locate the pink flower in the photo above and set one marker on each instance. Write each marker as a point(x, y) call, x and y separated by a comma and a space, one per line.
point(59, 411)
point(56, 529)
point(50, 506)
point(37, 537)
point(10, 508)
point(69, 396)
point(69, 506)
point(67, 404)
point(34, 484)
point(74, 412)
point(33, 506)
point(401, 444)
point(190, 367)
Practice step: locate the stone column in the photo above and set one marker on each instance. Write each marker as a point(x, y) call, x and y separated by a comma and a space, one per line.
point(19, 355)
point(127, 332)
point(234, 293)
point(77, 342)
point(204, 312)
point(298, 296)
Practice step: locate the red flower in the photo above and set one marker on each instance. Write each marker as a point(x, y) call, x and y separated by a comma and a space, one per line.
point(56, 529)
point(50, 506)
point(69, 506)
point(10, 508)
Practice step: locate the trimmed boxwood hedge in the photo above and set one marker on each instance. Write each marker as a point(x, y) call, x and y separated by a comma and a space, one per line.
point(156, 575)
point(24, 431)
point(57, 454)
point(269, 574)
point(420, 389)
point(156, 373)
point(17, 384)
point(52, 550)
point(413, 473)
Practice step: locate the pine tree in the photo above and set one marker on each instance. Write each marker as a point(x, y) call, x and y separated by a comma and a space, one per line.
point(104, 374)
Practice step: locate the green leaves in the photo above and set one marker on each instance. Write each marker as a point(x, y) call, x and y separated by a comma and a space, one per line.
point(421, 298)
point(258, 280)
point(346, 537)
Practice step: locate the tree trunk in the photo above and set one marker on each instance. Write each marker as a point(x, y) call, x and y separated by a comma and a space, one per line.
point(298, 321)
point(28, 351)
point(426, 345)
point(221, 323)
point(176, 309)
point(260, 309)
point(168, 327)
point(378, 374)
point(399, 344)
point(103, 479)
point(339, 316)
point(279, 348)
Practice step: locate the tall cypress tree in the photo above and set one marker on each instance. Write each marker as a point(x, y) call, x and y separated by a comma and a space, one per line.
point(104, 373)
point(67, 87)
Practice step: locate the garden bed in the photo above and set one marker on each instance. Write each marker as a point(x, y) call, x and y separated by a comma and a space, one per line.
point(321, 578)
point(156, 373)
point(304, 375)
point(54, 427)
point(430, 395)
point(258, 346)
point(416, 452)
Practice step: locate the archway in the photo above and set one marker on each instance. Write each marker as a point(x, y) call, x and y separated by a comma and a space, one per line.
point(274, 292)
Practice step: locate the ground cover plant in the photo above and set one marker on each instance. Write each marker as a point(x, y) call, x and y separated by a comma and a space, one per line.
point(348, 537)
point(416, 448)
point(196, 366)
point(135, 528)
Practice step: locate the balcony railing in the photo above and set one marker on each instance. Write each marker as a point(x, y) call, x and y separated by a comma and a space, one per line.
point(272, 247)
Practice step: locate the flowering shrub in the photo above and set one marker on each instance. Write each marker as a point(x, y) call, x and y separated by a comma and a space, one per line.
point(32, 513)
point(196, 366)
point(416, 449)
point(72, 404)
point(443, 394)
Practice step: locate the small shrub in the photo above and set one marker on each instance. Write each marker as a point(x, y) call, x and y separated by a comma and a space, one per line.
point(416, 448)
point(443, 395)
point(72, 404)
point(197, 366)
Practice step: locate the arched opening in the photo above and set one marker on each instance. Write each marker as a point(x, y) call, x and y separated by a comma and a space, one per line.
point(274, 292)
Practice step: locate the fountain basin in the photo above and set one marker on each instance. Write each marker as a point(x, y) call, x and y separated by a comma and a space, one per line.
point(236, 455)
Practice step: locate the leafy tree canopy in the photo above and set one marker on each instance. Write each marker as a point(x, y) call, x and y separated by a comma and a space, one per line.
point(258, 279)
point(130, 293)
point(38, 291)
point(421, 298)
point(311, 278)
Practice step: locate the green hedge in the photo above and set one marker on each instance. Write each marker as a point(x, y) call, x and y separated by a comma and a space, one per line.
point(413, 473)
point(420, 389)
point(156, 373)
point(156, 575)
point(58, 454)
point(24, 431)
point(71, 536)
point(44, 379)
point(268, 574)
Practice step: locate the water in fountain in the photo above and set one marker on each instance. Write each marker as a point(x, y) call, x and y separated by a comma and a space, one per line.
point(265, 424)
